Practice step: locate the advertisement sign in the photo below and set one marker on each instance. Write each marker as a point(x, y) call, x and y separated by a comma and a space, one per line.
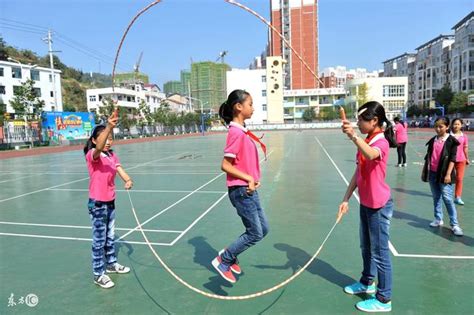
point(67, 125)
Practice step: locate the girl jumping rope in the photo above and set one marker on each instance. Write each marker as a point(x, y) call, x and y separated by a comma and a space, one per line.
point(439, 166)
point(103, 164)
point(243, 178)
point(401, 133)
point(376, 205)
point(462, 157)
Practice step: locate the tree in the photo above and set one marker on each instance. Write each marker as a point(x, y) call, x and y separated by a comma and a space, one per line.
point(309, 114)
point(458, 102)
point(328, 113)
point(144, 118)
point(3, 110)
point(444, 95)
point(413, 111)
point(363, 94)
point(26, 99)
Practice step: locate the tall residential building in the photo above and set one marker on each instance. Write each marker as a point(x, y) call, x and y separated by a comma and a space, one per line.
point(429, 76)
point(297, 21)
point(462, 72)
point(403, 66)
point(185, 81)
point(208, 84)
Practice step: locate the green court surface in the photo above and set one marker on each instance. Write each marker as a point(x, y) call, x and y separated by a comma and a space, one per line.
point(180, 197)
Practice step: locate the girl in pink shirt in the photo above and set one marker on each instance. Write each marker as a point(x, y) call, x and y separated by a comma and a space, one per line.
point(462, 158)
point(376, 205)
point(103, 164)
point(243, 178)
point(439, 172)
point(401, 133)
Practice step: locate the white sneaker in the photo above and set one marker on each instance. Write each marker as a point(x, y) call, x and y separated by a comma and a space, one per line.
point(457, 230)
point(398, 165)
point(104, 281)
point(117, 268)
point(404, 165)
point(436, 223)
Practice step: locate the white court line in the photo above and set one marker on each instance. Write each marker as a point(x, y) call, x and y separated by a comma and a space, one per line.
point(78, 180)
point(146, 191)
point(390, 245)
point(21, 177)
point(79, 227)
point(77, 238)
point(198, 219)
point(205, 212)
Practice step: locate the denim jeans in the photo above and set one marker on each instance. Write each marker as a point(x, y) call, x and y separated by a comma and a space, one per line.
point(254, 219)
point(102, 215)
point(374, 237)
point(445, 192)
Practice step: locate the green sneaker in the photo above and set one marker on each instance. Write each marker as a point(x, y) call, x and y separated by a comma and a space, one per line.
point(358, 288)
point(374, 306)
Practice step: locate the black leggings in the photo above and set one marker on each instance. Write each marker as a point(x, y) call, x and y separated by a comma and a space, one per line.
point(401, 153)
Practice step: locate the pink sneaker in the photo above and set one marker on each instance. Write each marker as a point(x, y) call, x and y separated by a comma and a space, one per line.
point(234, 267)
point(223, 269)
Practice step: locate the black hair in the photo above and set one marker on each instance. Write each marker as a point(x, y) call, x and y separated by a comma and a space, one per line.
point(373, 109)
point(95, 133)
point(444, 121)
point(226, 110)
point(454, 120)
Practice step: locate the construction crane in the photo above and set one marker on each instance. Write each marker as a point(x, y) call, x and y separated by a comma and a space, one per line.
point(222, 54)
point(136, 67)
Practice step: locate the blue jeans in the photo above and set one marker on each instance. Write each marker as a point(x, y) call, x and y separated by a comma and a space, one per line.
point(446, 192)
point(254, 219)
point(374, 237)
point(102, 215)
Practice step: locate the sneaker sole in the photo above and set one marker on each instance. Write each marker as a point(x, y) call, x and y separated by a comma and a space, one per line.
point(114, 271)
point(104, 286)
point(361, 292)
point(374, 311)
point(215, 264)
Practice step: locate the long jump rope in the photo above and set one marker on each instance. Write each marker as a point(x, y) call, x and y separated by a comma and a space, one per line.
point(139, 225)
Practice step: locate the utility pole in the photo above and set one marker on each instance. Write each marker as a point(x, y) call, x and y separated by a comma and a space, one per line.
point(49, 41)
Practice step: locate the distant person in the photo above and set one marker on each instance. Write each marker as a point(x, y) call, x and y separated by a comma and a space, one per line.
point(103, 164)
point(401, 134)
point(462, 158)
point(438, 170)
point(376, 205)
point(242, 166)
point(468, 124)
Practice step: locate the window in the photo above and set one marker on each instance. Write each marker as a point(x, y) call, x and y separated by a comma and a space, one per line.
point(16, 72)
point(394, 105)
point(37, 92)
point(50, 78)
point(393, 90)
point(51, 93)
point(1, 72)
point(264, 107)
point(92, 98)
point(16, 89)
point(35, 75)
point(264, 78)
point(264, 92)
point(2, 89)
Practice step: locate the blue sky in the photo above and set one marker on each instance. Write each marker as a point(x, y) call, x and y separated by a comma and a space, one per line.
point(360, 33)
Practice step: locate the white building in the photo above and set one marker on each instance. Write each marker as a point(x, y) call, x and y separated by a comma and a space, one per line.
point(13, 74)
point(129, 96)
point(462, 72)
point(336, 77)
point(254, 82)
point(401, 66)
point(391, 92)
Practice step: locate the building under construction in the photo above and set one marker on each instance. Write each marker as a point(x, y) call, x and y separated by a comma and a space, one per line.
point(208, 84)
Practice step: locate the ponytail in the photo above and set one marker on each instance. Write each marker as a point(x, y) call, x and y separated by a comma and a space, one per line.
point(226, 110)
point(389, 134)
point(95, 133)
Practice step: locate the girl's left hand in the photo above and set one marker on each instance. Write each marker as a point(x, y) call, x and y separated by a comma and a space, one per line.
point(257, 185)
point(447, 179)
point(128, 184)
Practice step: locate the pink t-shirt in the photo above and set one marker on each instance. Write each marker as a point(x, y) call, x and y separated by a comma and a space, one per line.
point(463, 143)
point(373, 190)
point(436, 155)
point(401, 132)
point(244, 152)
point(102, 175)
